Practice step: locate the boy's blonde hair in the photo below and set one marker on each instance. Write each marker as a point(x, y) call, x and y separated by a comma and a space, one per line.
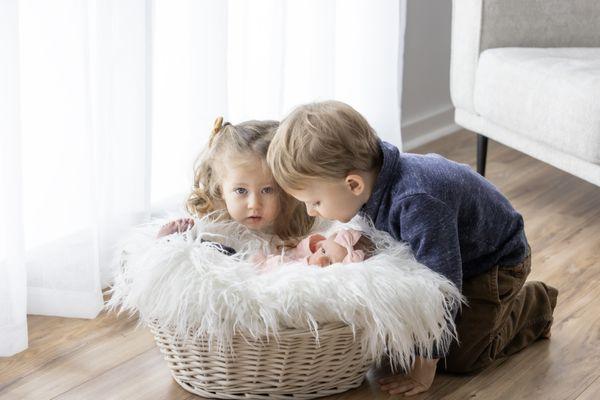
point(323, 140)
point(228, 142)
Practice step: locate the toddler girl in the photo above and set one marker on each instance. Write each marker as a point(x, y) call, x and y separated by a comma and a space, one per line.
point(232, 181)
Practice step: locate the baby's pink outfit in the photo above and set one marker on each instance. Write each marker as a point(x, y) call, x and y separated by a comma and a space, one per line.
point(345, 237)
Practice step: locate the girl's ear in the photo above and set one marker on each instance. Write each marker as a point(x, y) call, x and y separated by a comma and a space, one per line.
point(355, 183)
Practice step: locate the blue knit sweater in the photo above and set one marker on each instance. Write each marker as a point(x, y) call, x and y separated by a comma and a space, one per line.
point(456, 222)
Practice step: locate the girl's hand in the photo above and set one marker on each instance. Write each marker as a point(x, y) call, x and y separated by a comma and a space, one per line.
point(418, 380)
point(177, 226)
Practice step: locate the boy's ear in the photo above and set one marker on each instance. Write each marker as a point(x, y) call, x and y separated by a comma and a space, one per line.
point(355, 183)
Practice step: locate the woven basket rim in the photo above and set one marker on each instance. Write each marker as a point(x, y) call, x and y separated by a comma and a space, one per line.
point(285, 332)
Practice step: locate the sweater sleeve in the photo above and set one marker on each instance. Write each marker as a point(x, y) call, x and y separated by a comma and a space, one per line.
point(430, 228)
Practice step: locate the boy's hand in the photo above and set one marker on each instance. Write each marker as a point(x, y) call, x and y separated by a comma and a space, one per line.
point(418, 380)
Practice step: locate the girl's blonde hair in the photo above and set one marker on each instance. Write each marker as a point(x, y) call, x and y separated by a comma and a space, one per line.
point(251, 138)
point(323, 140)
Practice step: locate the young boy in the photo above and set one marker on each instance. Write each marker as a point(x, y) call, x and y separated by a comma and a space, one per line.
point(456, 222)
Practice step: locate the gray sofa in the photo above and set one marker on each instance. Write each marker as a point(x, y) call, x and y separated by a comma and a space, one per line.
point(526, 73)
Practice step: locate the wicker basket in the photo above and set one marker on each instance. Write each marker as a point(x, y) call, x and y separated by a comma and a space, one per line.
point(293, 367)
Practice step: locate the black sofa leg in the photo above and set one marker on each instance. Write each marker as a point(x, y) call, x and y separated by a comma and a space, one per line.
point(482, 143)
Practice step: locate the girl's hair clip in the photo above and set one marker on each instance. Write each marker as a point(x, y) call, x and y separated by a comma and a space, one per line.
point(218, 125)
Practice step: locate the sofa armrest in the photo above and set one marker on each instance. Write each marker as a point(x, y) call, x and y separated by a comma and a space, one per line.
point(478, 25)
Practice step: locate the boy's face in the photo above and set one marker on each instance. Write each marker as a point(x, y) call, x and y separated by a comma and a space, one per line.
point(335, 200)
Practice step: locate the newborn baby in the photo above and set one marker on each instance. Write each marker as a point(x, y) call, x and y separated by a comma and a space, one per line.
point(345, 246)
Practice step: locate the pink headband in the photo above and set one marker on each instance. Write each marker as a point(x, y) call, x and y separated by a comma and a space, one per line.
point(348, 238)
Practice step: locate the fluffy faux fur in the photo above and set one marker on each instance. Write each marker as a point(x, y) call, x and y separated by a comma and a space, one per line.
point(402, 307)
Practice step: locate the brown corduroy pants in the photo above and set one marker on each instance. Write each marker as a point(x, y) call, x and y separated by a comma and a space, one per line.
point(504, 314)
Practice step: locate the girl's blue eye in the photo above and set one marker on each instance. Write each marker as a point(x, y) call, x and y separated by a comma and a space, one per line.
point(240, 191)
point(268, 190)
point(316, 204)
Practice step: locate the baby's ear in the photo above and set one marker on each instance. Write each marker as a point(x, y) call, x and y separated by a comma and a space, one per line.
point(355, 183)
point(313, 240)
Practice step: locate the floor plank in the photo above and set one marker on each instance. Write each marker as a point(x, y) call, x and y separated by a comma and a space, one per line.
point(80, 365)
point(592, 392)
point(142, 377)
point(108, 358)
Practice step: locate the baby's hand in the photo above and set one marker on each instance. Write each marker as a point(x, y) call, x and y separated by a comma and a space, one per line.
point(178, 226)
point(418, 380)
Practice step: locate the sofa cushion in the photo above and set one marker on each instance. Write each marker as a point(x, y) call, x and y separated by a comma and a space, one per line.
point(551, 95)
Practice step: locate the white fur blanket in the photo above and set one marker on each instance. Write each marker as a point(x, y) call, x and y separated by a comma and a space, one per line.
point(402, 307)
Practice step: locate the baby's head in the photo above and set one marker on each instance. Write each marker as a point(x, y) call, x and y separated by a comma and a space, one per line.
point(231, 174)
point(327, 156)
point(344, 246)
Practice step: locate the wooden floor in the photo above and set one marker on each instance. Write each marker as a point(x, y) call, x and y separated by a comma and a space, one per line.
point(107, 358)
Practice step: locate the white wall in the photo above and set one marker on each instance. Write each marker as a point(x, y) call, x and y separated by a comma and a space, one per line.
point(427, 112)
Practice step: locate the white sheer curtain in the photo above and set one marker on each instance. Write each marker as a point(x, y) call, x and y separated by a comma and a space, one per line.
point(105, 103)
point(75, 152)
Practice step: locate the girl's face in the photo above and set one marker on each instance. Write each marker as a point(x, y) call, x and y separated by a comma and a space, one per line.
point(250, 192)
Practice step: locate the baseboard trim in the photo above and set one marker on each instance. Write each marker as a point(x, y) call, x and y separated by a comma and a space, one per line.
point(428, 128)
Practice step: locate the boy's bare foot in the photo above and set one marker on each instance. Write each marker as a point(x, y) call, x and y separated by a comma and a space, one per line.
point(417, 380)
point(547, 332)
point(178, 226)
